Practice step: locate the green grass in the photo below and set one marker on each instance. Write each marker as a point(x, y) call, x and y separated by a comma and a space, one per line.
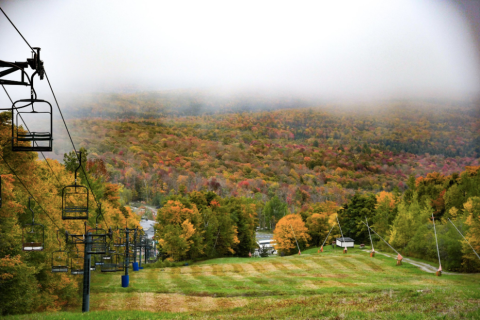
point(312, 285)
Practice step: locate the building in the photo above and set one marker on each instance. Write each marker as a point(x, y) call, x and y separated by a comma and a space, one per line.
point(268, 244)
point(345, 242)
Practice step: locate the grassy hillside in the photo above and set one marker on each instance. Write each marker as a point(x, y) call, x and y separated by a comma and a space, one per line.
point(328, 285)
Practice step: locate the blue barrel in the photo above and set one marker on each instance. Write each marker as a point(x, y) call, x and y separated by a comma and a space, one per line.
point(135, 266)
point(125, 281)
point(141, 267)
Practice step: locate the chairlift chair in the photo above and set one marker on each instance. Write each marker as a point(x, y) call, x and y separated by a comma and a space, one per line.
point(93, 263)
point(108, 262)
point(98, 260)
point(120, 240)
point(99, 237)
point(105, 258)
point(76, 263)
point(59, 259)
point(33, 234)
point(75, 199)
point(120, 261)
point(26, 140)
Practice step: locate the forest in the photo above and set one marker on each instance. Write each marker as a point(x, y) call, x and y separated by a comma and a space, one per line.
point(216, 175)
point(395, 163)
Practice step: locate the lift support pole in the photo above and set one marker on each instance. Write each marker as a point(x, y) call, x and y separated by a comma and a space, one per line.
point(87, 259)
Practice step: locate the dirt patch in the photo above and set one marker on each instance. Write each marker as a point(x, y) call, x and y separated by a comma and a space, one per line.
point(159, 302)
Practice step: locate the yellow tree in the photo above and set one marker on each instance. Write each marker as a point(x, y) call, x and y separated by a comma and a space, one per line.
point(178, 232)
point(288, 231)
point(318, 227)
point(472, 210)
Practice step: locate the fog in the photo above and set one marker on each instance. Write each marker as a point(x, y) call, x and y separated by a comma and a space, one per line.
point(330, 49)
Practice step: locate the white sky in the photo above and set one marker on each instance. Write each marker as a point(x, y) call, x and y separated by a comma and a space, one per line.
point(326, 48)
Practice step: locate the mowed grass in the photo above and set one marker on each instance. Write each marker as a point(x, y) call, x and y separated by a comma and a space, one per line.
point(313, 285)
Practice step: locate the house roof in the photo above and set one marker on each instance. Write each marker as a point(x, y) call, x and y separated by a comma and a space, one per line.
point(345, 239)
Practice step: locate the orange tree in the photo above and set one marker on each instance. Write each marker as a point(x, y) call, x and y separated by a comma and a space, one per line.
point(288, 229)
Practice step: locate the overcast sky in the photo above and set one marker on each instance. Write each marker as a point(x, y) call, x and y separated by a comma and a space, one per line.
point(327, 48)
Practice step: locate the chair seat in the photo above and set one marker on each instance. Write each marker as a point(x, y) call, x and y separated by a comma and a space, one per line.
point(34, 136)
point(59, 269)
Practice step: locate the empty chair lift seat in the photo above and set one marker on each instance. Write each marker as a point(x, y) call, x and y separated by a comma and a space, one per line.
point(345, 242)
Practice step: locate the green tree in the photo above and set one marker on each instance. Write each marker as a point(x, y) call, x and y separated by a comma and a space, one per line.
point(353, 214)
point(273, 211)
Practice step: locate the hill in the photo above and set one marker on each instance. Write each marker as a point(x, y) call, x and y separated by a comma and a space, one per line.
point(330, 285)
point(301, 154)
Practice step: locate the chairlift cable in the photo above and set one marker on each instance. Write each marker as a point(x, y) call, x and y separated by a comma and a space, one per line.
point(382, 239)
point(28, 44)
point(35, 141)
point(17, 29)
point(56, 101)
point(464, 238)
point(68, 132)
point(53, 221)
point(343, 239)
point(328, 235)
point(370, 235)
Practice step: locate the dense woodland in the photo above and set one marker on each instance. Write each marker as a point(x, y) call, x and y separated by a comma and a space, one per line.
point(26, 281)
point(216, 174)
point(301, 155)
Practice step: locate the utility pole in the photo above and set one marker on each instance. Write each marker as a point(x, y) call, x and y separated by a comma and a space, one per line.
point(125, 278)
point(86, 273)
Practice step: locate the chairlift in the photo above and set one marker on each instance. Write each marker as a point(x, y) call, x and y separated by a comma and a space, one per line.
point(24, 139)
point(75, 199)
point(33, 234)
point(98, 237)
point(59, 259)
point(98, 260)
point(108, 263)
point(93, 263)
point(76, 263)
point(120, 261)
point(105, 258)
point(120, 241)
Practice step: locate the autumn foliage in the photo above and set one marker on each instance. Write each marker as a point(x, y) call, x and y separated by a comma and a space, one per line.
point(290, 230)
point(26, 281)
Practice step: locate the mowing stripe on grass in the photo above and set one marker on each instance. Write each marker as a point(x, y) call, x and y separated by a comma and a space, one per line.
point(318, 265)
